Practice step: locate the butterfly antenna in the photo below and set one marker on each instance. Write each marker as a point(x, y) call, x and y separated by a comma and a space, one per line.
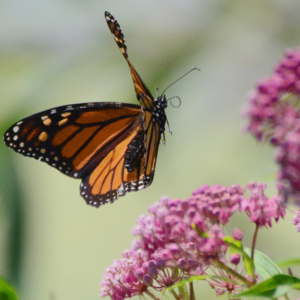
point(180, 78)
point(175, 106)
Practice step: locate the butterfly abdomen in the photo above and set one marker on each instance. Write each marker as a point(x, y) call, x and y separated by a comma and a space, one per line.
point(134, 152)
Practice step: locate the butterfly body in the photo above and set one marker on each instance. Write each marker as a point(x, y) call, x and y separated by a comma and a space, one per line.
point(112, 147)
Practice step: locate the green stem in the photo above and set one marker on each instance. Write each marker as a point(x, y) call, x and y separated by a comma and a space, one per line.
point(233, 273)
point(192, 292)
point(254, 241)
point(174, 295)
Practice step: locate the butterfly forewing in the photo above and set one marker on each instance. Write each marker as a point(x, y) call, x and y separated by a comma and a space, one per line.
point(153, 129)
point(117, 33)
point(139, 85)
point(68, 138)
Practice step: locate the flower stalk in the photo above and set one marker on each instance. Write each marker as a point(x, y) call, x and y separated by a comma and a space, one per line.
point(254, 241)
point(192, 292)
point(233, 273)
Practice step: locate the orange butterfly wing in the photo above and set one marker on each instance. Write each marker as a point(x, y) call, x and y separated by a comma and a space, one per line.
point(153, 109)
point(111, 178)
point(80, 139)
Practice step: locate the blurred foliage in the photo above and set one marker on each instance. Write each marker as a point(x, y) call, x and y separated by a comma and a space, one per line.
point(6, 291)
point(11, 212)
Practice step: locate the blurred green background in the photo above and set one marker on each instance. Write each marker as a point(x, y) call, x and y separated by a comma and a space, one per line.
point(54, 246)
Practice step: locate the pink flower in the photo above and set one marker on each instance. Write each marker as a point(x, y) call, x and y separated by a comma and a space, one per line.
point(296, 220)
point(237, 234)
point(273, 115)
point(260, 209)
point(134, 274)
point(218, 203)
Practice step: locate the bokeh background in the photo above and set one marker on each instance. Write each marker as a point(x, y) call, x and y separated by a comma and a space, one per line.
point(54, 246)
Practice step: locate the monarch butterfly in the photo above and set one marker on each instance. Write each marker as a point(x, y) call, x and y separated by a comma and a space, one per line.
point(111, 147)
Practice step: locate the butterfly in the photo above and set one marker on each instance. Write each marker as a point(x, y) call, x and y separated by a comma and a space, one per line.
point(112, 147)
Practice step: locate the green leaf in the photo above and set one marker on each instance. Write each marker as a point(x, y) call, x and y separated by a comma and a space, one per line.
point(293, 262)
point(264, 266)
point(6, 291)
point(274, 287)
point(229, 240)
point(237, 247)
point(186, 280)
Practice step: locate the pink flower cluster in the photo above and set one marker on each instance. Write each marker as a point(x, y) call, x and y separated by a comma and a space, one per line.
point(184, 237)
point(296, 220)
point(170, 220)
point(273, 114)
point(260, 209)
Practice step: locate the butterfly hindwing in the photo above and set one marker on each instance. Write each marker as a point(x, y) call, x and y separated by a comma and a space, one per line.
point(119, 172)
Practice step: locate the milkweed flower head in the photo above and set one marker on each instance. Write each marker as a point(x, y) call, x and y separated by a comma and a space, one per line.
point(171, 222)
point(273, 114)
point(260, 209)
point(296, 220)
point(181, 238)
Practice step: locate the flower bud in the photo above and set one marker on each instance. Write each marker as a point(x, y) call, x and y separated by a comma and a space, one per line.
point(181, 263)
point(147, 280)
point(237, 234)
point(139, 273)
point(153, 272)
point(235, 259)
